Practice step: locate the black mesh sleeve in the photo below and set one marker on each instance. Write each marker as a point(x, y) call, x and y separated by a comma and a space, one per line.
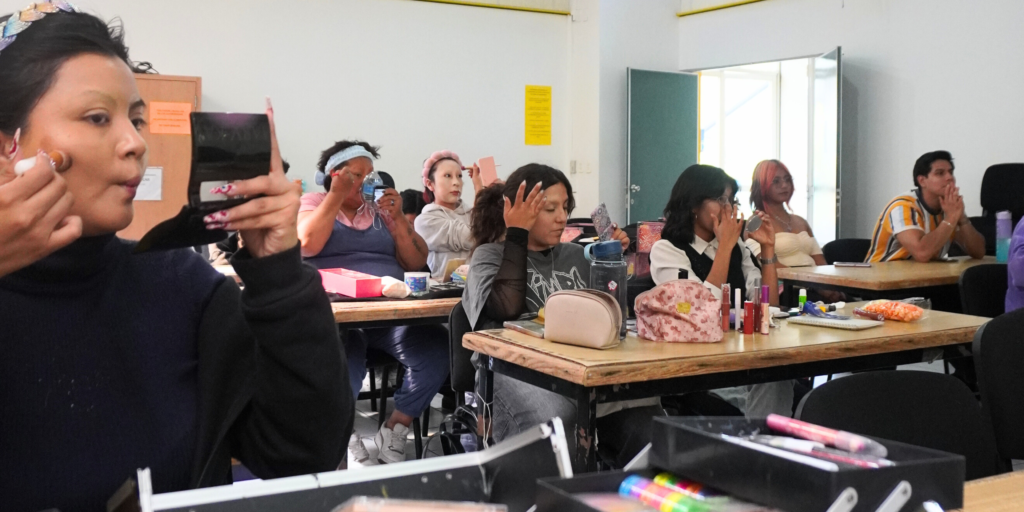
point(507, 300)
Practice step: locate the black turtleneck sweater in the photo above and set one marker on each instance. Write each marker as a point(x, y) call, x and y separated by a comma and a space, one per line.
point(110, 362)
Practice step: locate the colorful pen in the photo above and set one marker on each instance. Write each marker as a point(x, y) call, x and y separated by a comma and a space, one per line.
point(837, 438)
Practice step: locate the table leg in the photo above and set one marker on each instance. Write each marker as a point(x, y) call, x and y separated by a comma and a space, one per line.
point(485, 397)
point(586, 425)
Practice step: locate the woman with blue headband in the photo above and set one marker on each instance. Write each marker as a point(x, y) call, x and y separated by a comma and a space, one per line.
point(340, 229)
point(115, 361)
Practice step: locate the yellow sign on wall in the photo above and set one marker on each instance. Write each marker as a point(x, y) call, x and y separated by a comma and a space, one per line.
point(538, 115)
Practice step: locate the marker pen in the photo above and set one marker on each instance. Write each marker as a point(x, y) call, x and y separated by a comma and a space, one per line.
point(726, 309)
point(838, 438)
point(766, 316)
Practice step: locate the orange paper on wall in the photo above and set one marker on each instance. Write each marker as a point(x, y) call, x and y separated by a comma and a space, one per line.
point(170, 118)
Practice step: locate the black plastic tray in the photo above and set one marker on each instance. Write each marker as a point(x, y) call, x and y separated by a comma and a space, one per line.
point(692, 448)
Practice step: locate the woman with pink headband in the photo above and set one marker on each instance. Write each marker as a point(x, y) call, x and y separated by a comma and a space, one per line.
point(444, 223)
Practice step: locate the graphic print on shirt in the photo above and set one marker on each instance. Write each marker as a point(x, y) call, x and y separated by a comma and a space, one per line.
point(542, 287)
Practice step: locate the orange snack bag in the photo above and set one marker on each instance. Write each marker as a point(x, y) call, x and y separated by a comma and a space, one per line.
point(895, 310)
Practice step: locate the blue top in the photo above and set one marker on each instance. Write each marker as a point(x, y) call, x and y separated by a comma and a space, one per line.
point(99, 372)
point(370, 251)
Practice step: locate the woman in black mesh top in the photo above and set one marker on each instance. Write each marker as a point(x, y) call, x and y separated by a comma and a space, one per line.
point(517, 263)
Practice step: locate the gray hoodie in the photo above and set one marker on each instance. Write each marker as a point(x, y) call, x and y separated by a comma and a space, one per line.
point(447, 235)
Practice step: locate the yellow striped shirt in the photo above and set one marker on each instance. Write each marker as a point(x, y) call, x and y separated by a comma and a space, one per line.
point(903, 213)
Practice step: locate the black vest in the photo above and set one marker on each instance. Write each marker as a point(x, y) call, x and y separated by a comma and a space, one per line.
point(701, 265)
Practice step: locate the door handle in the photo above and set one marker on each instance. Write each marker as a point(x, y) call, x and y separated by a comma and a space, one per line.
point(634, 188)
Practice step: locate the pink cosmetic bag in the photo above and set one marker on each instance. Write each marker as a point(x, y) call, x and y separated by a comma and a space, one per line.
point(679, 311)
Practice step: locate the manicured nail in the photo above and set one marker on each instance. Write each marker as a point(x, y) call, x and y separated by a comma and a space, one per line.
point(215, 218)
point(224, 190)
point(270, 105)
point(214, 226)
point(14, 144)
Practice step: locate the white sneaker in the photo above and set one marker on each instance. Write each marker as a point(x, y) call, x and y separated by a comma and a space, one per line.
point(358, 449)
point(391, 444)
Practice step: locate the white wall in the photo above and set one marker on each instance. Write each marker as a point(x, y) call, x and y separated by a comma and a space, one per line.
point(585, 100)
point(412, 77)
point(919, 75)
point(641, 34)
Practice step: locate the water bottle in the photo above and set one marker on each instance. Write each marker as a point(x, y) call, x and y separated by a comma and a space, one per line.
point(1004, 231)
point(370, 184)
point(608, 273)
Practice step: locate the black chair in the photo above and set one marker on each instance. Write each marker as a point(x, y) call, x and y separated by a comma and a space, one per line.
point(983, 290)
point(999, 359)
point(846, 250)
point(1002, 188)
point(461, 370)
point(920, 408)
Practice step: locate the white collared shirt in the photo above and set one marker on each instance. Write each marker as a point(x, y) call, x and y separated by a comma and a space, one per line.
point(667, 260)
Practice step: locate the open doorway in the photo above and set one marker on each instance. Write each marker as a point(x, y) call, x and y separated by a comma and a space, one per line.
point(787, 110)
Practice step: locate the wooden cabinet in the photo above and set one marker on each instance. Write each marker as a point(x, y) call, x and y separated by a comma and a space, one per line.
point(171, 152)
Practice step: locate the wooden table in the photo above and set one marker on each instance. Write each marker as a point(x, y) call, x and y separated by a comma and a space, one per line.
point(380, 313)
point(881, 277)
point(391, 313)
point(1002, 493)
point(641, 369)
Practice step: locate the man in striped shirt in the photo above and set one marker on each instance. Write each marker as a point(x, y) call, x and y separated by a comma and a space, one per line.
point(923, 223)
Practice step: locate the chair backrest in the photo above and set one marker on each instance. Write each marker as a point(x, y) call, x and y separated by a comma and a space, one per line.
point(926, 409)
point(846, 250)
point(463, 374)
point(983, 290)
point(1002, 188)
point(999, 361)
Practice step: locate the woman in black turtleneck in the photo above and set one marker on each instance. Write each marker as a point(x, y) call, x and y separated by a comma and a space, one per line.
point(113, 361)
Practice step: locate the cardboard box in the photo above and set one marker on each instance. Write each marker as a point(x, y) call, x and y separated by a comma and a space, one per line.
point(350, 283)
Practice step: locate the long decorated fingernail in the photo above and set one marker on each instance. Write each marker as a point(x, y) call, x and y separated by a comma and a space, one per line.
point(270, 105)
point(215, 225)
point(216, 218)
point(14, 144)
point(224, 190)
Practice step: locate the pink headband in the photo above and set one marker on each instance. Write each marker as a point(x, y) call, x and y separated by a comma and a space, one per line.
point(436, 157)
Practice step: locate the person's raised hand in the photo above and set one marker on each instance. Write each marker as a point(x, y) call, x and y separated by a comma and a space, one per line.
point(343, 182)
point(765, 235)
point(476, 178)
point(523, 214)
point(621, 236)
point(952, 205)
point(34, 220)
point(728, 227)
point(391, 202)
point(268, 223)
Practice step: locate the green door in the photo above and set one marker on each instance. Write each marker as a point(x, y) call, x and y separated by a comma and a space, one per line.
point(662, 137)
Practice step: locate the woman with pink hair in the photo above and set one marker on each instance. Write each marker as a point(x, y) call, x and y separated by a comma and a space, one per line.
point(444, 222)
point(771, 192)
point(795, 246)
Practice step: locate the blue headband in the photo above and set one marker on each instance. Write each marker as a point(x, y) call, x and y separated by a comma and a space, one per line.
point(339, 158)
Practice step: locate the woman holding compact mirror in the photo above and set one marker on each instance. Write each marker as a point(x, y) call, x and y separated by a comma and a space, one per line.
point(115, 361)
point(701, 243)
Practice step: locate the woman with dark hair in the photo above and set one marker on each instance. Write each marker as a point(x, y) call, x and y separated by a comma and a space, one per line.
point(444, 223)
point(517, 263)
point(339, 229)
point(115, 361)
point(701, 242)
